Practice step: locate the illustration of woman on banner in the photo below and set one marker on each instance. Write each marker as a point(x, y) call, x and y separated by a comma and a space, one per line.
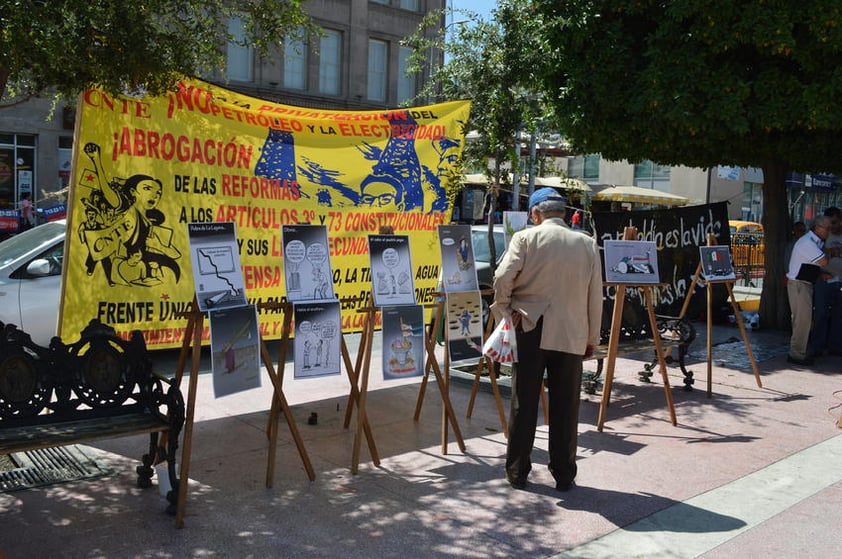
point(133, 239)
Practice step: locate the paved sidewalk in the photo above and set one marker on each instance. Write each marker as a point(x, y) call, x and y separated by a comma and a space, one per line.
point(750, 472)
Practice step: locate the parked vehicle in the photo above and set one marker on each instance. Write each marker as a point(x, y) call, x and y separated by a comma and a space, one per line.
point(747, 249)
point(30, 279)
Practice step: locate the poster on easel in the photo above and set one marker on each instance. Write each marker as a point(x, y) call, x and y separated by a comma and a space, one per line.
point(307, 269)
point(464, 325)
point(512, 223)
point(391, 270)
point(631, 262)
point(235, 350)
point(403, 341)
point(716, 262)
point(316, 346)
point(217, 274)
point(457, 259)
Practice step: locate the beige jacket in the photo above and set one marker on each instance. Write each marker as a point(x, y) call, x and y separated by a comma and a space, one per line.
point(554, 272)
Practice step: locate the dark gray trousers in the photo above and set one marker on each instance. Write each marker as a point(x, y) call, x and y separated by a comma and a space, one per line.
point(564, 380)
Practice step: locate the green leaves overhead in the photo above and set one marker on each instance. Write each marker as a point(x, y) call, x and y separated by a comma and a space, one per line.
point(70, 45)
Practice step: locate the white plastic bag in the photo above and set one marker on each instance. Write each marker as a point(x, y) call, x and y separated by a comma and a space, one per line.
point(501, 345)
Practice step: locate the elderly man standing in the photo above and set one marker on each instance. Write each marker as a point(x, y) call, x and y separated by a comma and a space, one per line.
point(550, 283)
point(806, 252)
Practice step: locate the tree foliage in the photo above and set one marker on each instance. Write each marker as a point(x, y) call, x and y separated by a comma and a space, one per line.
point(486, 63)
point(703, 83)
point(145, 45)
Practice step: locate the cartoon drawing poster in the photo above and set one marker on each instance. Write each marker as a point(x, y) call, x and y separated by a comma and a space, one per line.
point(147, 166)
point(457, 259)
point(464, 325)
point(391, 270)
point(317, 339)
point(631, 262)
point(235, 350)
point(716, 262)
point(403, 342)
point(307, 263)
point(216, 266)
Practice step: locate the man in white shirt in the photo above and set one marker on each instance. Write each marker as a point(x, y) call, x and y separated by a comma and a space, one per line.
point(826, 335)
point(807, 251)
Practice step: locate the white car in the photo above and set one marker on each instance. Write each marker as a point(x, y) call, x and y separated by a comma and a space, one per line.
point(30, 280)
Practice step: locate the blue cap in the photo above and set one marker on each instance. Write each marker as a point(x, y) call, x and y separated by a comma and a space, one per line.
point(544, 194)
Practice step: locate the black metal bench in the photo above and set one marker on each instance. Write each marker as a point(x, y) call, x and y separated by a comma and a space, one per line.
point(636, 337)
point(99, 387)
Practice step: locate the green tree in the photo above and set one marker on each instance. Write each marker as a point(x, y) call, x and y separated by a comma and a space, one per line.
point(702, 83)
point(487, 63)
point(70, 45)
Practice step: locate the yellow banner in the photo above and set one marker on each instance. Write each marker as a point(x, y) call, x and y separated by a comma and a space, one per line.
point(144, 168)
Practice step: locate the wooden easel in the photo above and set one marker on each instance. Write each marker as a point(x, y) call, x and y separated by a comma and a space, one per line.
point(630, 233)
point(358, 377)
point(729, 285)
point(486, 363)
point(193, 341)
point(443, 380)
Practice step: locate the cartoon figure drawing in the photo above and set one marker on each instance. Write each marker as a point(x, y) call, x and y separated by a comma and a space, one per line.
point(307, 347)
point(124, 229)
point(465, 321)
point(463, 255)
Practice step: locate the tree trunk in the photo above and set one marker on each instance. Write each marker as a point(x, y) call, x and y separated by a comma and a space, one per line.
point(777, 227)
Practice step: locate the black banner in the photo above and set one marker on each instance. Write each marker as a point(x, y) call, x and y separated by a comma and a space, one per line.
point(678, 233)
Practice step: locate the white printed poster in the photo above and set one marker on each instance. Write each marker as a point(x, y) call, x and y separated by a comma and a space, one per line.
point(316, 348)
point(391, 270)
point(457, 259)
point(307, 269)
point(464, 325)
point(216, 266)
point(631, 262)
point(716, 262)
point(403, 342)
point(235, 350)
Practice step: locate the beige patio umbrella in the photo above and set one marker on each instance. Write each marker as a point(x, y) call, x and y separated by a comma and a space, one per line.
point(640, 195)
point(562, 182)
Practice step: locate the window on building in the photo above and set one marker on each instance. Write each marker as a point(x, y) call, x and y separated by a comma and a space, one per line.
point(17, 169)
point(330, 63)
point(648, 174)
point(590, 168)
point(406, 82)
point(239, 57)
point(409, 5)
point(378, 58)
point(295, 63)
point(585, 167)
point(65, 155)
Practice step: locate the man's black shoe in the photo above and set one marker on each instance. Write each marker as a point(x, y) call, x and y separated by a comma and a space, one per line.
point(564, 486)
point(516, 483)
point(795, 361)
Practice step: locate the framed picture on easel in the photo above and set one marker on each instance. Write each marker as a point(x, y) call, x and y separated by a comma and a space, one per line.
point(391, 270)
point(459, 270)
point(716, 262)
point(634, 262)
point(216, 266)
point(307, 269)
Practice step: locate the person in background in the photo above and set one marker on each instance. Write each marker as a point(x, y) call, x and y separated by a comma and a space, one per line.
point(576, 220)
point(549, 283)
point(826, 335)
point(808, 250)
point(26, 220)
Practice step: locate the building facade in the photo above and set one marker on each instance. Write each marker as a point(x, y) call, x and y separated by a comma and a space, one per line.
point(357, 64)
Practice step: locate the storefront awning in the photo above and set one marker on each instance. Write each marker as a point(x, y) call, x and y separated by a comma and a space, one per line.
point(640, 195)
